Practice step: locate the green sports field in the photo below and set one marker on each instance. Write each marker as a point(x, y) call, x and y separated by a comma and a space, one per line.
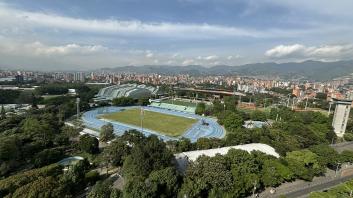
point(164, 123)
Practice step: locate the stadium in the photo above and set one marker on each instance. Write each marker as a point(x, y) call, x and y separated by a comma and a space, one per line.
point(167, 121)
point(126, 90)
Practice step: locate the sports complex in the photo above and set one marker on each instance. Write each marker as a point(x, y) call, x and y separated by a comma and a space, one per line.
point(167, 121)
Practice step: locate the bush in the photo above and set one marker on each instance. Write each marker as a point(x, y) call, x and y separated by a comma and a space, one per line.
point(200, 108)
point(91, 177)
point(123, 101)
point(88, 144)
point(348, 137)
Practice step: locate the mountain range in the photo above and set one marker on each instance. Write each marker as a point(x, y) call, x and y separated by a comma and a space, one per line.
point(307, 70)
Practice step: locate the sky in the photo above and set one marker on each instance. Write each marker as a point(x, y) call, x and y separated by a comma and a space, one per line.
point(92, 34)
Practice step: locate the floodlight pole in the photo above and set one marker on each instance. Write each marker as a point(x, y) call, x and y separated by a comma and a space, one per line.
point(78, 107)
point(141, 119)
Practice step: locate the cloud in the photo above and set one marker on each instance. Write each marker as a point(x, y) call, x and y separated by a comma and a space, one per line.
point(207, 58)
point(188, 62)
point(68, 49)
point(237, 56)
point(299, 51)
point(212, 57)
point(149, 54)
point(33, 20)
point(285, 50)
point(37, 49)
point(43, 55)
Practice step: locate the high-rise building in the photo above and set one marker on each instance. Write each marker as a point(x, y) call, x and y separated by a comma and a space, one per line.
point(79, 76)
point(341, 115)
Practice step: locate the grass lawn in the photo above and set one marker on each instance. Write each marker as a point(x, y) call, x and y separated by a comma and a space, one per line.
point(165, 124)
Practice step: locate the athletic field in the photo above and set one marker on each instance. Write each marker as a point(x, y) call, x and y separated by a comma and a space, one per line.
point(167, 124)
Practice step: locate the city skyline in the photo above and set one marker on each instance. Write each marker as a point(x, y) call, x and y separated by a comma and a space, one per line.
point(81, 35)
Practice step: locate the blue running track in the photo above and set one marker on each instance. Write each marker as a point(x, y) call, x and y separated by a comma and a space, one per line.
point(196, 131)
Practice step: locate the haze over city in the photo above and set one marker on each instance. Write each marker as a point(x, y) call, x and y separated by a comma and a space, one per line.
point(176, 98)
point(80, 35)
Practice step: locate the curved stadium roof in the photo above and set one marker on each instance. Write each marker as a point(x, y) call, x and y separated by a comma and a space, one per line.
point(126, 90)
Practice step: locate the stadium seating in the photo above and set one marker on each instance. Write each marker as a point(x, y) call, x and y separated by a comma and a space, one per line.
point(173, 107)
point(127, 90)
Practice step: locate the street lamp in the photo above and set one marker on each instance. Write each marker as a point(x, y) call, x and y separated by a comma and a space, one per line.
point(78, 107)
point(338, 164)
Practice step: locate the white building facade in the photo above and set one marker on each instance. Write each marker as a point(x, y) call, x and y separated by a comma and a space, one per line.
point(340, 118)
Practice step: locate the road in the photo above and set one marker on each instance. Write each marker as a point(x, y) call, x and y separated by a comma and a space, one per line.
point(343, 146)
point(318, 187)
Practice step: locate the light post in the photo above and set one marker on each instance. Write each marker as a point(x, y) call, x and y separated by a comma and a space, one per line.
point(288, 100)
point(254, 189)
point(329, 109)
point(141, 118)
point(78, 107)
point(224, 107)
point(338, 164)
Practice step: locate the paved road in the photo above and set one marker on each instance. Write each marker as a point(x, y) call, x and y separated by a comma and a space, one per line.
point(318, 187)
point(343, 146)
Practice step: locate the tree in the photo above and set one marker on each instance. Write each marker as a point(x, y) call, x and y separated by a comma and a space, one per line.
point(10, 152)
point(69, 131)
point(88, 144)
point(116, 152)
point(123, 101)
point(164, 183)
point(46, 187)
point(245, 170)
point(322, 96)
point(103, 189)
point(3, 113)
point(184, 144)
point(146, 156)
point(107, 132)
point(232, 121)
point(327, 155)
point(304, 164)
point(274, 173)
point(205, 175)
point(258, 116)
point(37, 130)
point(137, 187)
point(143, 101)
point(200, 108)
point(9, 96)
point(74, 177)
point(208, 143)
point(47, 156)
point(348, 136)
point(10, 184)
point(346, 156)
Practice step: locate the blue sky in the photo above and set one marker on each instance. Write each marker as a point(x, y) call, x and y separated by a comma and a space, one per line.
point(89, 34)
